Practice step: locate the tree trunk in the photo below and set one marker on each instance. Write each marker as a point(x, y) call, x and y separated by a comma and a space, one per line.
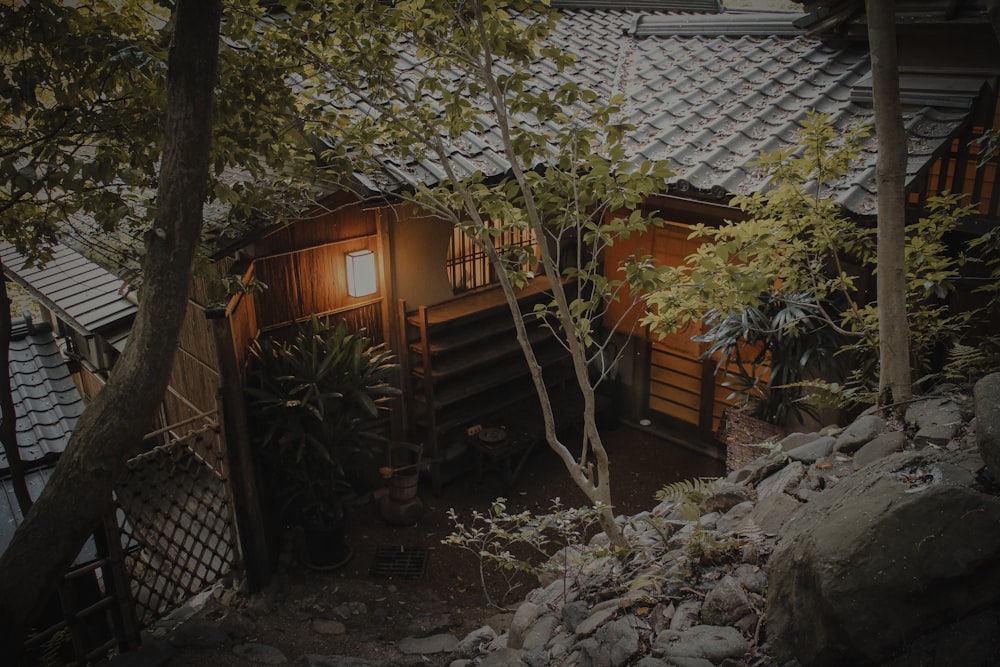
point(79, 494)
point(8, 418)
point(895, 385)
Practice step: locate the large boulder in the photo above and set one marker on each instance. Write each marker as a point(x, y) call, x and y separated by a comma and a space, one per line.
point(987, 393)
point(881, 558)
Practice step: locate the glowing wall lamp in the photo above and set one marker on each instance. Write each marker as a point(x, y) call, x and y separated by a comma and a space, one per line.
point(361, 273)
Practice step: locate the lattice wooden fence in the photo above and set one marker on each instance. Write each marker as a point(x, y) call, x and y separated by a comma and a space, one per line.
point(176, 522)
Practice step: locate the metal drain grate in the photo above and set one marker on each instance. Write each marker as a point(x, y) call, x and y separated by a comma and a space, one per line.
point(399, 562)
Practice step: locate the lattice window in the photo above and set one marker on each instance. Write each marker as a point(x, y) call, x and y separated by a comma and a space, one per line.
point(468, 265)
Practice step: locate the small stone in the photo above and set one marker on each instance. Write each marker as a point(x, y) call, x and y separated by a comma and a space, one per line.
point(686, 615)
point(860, 432)
point(774, 511)
point(475, 642)
point(442, 643)
point(726, 603)
point(427, 624)
point(323, 626)
point(734, 517)
point(600, 615)
point(521, 623)
point(936, 420)
point(813, 451)
point(260, 653)
point(793, 440)
point(879, 447)
point(751, 577)
point(540, 632)
point(505, 657)
point(783, 481)
point(574, 613)
point(709, 642)
point(723, 501)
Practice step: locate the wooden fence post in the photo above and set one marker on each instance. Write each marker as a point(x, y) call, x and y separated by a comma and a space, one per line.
point(242, 479)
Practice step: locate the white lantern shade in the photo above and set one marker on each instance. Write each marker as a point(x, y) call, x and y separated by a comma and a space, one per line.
point(361, 273)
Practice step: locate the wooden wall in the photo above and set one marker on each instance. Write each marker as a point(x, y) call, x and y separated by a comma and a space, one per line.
point(681, 386)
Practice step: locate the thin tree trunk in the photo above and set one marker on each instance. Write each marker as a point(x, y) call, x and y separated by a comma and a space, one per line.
point(79, 494)
point(895, 385)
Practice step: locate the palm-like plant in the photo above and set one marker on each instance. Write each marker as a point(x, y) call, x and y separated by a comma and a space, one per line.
point(318, 399)
point(768, 349)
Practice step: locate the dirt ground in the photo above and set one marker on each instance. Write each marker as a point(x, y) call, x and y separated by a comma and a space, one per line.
point(375, 612)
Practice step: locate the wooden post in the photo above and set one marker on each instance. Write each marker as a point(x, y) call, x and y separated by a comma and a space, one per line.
point(234, 434)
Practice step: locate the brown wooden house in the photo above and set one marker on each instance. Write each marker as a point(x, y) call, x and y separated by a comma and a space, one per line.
point(709, 92)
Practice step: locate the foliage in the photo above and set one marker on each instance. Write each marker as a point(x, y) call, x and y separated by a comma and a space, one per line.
point(319, 398)
point(693, 490)
point(395, 94)
point(769, 349)
point(796, 240)
point(495, 535)
point(81, 131)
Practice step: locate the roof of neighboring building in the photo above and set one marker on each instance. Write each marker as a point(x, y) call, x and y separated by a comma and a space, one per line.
point(47, 403)
point(83, 294)
point(47, 406)
point(826, 16)
point(709, 93)
point(701, 6)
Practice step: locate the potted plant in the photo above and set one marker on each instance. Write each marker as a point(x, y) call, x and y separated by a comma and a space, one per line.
point(319, 401)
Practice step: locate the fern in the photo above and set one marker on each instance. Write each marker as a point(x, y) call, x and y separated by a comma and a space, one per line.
point(689, 490)
point(967, 363)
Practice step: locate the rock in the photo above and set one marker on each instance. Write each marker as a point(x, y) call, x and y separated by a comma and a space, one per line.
point(599, 615)
point(723, 501)
point(475, 642)
point(734, 517)
point(774, 511)
point(751, 577)
point(758, 469)
point(574, 614)
point(540, 632)
point(312, 660)
point(793, 440)
point(879, 447)
point(428, 624)
point(708, 642)
point(260, 653)
point(198, 635)
point(814, 450)
point(614, 644)
point(686, 615)
point(987, 396)
point(970, 641)
point(151, 653)
point(442, 643)
point(650, 661)
point(784, 481)
point(322, 626)
point(936, 421)
point(860, 432)
point(519, 625)
point(726, 603)
point(896, 547)
point(505, 657)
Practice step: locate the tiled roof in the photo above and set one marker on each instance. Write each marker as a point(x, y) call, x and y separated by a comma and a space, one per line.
point(701, 6)
point(46, 400)
point(84, 295)
point(710, 102)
